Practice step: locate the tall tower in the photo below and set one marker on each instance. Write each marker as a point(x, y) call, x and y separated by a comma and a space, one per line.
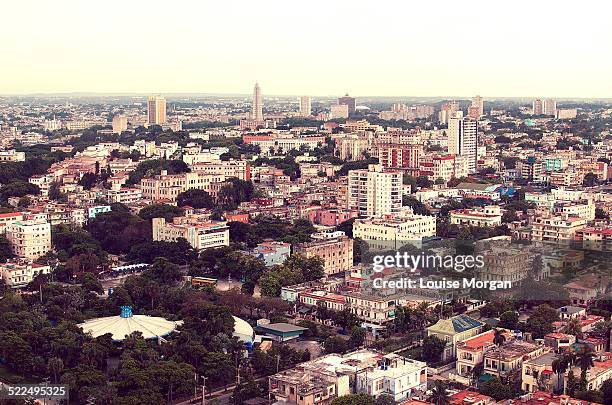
point(305, 106)
point(478, 104)
point(348, 101)
point(463, 140)
point(257, 107)
point(538, 107)
point(549, 106)
point(156, 106)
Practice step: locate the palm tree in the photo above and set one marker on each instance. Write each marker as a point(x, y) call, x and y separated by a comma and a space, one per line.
point(559, 367)
point(498, 340)
point(439, 396)
point(585, 361)
point(573, 328)
point(55, 366)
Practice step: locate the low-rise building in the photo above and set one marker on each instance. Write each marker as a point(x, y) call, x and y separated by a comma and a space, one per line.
point(19, 273)
point(488, 216)
point(272, 252)
point(556, 229)
point(201, 234)
point(392, 232)
point(453, 330)
point(537, 373)
point(507, 360)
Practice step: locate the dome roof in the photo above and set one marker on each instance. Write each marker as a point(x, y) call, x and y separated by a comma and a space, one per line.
point(120, 326)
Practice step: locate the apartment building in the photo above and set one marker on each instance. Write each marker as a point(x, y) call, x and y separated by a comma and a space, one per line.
point(168, 186)
point(351, 146)
point(365, 371)
point(272, 252)
point(438, 167)
point(557, 229)
point(8, 218)
point(239, 169)
point(19, 273)
point(336, 250)
point(488, 216)
point(596, 238)
point(200, 234)
point(11, 155)
point(504, 263)
point(400, 156)
point(392, 232)
point(463, 139)
point(507, 360)
point(470, 353)
point(375, 192)
point(124, 195)
point(537, 373)
point(29, 238)
point(583, 209)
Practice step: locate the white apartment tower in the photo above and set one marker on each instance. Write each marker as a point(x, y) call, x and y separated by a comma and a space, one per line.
point(257, 107)
point(538, 107)
point(463, 139)
point(30, 239)
point(375, 191)
point(120, 124)
point(156, 114)
point(549, 107)
point(305, 106)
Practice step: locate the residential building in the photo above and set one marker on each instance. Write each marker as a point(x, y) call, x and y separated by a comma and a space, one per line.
point(488, 216)
point(201, 234)
point(29, 238)
point(557, 229)
point(239, 169)
point(383, 233)
point(11, 155)
point(321, 380)
point(470, 354)
point(8, 218)
point(478, 105)
point(120, 123)
point(272, 252)
point(305, 106)
point(403, 156)
point(168, 186)
point(339, 111)
point(375, 191)
point(18, 273)
point(349, 102)
point(463, 139)
point(549, 107)
point(156, 110)
point(506, 360)
point(582, 209)
point(596, 238)
point(566, 113)
point(537, 373)
point(538, 107)
point(447, 111)
point(559, 342)
point(336, 251)
point(453, 330)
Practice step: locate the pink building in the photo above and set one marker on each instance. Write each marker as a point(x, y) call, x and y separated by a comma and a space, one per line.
point(331, 217)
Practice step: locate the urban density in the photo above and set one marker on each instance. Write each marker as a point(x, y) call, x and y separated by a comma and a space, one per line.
point(257, 248)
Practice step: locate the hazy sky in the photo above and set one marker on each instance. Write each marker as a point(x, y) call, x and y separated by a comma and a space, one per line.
point(382, 47)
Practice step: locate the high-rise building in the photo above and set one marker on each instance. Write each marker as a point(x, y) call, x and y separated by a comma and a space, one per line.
point(156, 110)
point(120, 124)
point(478, 103)
point(257, 105)
point(348, 101)
point(447, 111)
point(305, 106)
point(538, 107)
point(375, 191)
point(549, 107)
point(339, 111)
point(30, 239)
point(463, 139)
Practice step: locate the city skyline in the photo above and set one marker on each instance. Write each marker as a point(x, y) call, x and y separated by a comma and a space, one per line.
point(426, 51)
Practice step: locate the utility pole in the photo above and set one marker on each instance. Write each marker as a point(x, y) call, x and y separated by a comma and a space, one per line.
point(203, 390)
point(277, 362)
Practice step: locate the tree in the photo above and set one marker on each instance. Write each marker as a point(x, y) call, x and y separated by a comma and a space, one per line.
point(432, 348)
point(18, 188)
point(590, 180)
point(55, 366)
point(584, 358)
point(168, 212)
point(496, 389)
point(335, 344)
point(88, 180)
point(417, 206)
point(6, 251)
point(354, 399)
point(540, 322)
point(600, 213)
point(439, 396)
point(559, 367)
point(55, 193)
point(357, 337)
point(164, 271)
point(195, 198)
point(606, 390)
point(508, 320)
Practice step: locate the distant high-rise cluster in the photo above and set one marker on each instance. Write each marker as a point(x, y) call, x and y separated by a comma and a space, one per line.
point(305, 106)
point(447, 111)
point(156, 107)
point(257, 106)
point(544, 107)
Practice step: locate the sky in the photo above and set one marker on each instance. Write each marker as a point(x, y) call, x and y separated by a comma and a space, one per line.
point(536, 48)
